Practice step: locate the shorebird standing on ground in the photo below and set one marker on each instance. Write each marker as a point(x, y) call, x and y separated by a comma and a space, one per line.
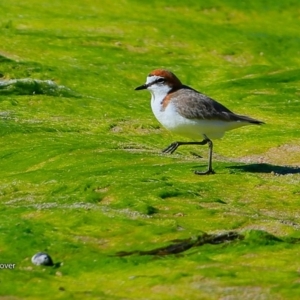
point(186, 112)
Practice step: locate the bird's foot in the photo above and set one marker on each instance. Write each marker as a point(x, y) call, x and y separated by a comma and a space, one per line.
point(171, 148)
point(208, 172)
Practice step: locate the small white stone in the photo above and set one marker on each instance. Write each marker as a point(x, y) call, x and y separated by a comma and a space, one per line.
point(42, 259)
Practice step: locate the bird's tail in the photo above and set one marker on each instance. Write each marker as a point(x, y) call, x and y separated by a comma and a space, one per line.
point(241, 118)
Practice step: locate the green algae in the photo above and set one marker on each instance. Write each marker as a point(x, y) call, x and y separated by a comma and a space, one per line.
point(28, 86)
point(83, 178)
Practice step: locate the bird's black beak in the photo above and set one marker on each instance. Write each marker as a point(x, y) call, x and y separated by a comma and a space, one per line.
point(141, 87)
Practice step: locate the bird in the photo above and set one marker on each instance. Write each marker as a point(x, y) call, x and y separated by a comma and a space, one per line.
point(185, 111)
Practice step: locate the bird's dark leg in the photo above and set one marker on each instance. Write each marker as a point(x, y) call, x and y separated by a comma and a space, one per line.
point(172, 148)
point(210, 151)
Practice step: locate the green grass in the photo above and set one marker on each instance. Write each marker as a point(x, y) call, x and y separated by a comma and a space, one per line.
point(82, 175)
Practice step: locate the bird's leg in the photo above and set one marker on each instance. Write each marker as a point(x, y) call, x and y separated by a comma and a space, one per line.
point(210, 151)
point(172, 148)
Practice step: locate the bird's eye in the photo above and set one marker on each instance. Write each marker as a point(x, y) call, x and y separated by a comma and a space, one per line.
point(160, 80)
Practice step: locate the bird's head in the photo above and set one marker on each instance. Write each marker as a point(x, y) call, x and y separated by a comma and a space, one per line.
point(160, 81)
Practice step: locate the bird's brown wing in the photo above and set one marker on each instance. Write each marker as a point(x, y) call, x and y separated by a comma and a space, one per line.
point(194, 105)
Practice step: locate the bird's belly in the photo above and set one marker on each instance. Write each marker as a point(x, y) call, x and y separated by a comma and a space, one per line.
point(192, 128)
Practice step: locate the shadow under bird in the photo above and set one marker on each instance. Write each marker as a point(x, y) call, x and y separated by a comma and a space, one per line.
point(186, 112)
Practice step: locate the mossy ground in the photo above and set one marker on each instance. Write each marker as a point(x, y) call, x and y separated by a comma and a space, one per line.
point(82, 178)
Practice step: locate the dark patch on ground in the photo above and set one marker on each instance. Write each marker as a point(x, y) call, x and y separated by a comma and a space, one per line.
point(257, 237)
point(179, 246)
point(267, 168)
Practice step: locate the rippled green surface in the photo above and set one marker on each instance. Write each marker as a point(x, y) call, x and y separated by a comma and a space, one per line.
point(82, 176)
